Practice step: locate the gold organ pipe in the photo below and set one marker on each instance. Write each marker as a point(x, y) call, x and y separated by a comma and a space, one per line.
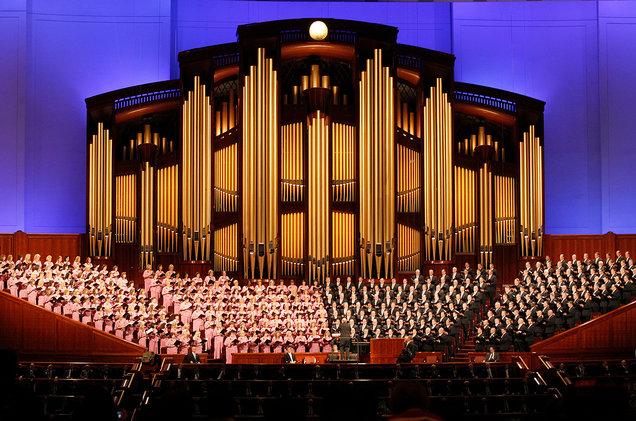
point(260, 180)
point(377, 169)
point(100, 192)
point(438, 174)
point(197, 167)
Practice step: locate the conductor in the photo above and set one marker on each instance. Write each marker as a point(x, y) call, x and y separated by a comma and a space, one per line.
point(344, 343)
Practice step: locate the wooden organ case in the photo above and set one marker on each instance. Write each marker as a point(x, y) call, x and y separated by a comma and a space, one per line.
point(290, 154)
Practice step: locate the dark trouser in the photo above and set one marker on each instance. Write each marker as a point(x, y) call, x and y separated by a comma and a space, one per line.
point(345, 346)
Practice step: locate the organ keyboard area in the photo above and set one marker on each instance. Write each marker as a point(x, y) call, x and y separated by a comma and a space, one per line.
point(283, 156)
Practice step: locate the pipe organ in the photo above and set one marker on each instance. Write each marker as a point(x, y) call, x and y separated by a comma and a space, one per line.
point(438, 177)
point(377, 163)
point(100, 174)
point(284, 156)
point(531, 193)
point(260, 169)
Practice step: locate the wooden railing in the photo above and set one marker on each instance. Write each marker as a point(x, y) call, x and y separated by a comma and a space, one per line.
point(38, 334)
point(608, 336)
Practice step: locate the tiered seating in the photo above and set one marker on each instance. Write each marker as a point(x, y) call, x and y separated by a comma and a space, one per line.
point(549, 298)
point(303, 391)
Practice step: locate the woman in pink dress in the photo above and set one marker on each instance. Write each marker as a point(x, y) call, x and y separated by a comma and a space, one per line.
point(277, 342)
point(243, 342)
point(301, 343)
point(218, 338)
point(314, 341)
point(326, 342)
point(147, 275)
point(231, 347)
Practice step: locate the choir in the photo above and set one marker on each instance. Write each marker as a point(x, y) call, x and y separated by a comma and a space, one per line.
point(548, 298)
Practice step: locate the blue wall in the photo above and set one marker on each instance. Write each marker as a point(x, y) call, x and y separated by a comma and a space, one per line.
point(576, 56)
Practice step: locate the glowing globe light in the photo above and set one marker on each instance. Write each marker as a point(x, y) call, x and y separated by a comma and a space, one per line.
point(318, 30)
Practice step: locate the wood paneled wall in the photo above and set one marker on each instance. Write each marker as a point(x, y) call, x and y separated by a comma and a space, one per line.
point(33, 331)
point(579, 244)
point(20, 243)
point(609, 336)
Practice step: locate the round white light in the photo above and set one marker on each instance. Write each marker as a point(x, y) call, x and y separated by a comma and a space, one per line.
point(318, 30)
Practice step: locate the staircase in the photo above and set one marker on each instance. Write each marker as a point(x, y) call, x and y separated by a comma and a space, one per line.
point(461, 355)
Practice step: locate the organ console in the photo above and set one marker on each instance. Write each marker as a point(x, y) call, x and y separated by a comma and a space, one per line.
point(287, 155)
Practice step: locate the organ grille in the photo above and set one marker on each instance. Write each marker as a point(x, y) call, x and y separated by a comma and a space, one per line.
point(292, 253)
point(167, 205)
point(343, 169)
point(408, 249)
point(465, 210)
point(225, 248)
point(225, 179)
point(505, 216)
point(292, 163)
point(125, 208)
point(408, 190)
point(485, 214)
point(343, 243)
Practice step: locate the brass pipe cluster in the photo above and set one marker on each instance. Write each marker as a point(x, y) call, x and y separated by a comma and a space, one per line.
point(292, 183)
point(225, 179)
point(377, 169)
point(505, 213)
point(125, 208)
point(146, 222)
point(167, 208)
point(343, 166)
point(485, 214)
point(100, 192)
point(318, 253)
point(408, 182)
point(225, 248)
point(314, 80)
point(406, 119)
point(293, 241)
point(343, 244)
point(438, 165)
point(465, 217)
point(196, 163)
point(409, 252)
point(225, 116)
point(531, 194)
point(260, 169)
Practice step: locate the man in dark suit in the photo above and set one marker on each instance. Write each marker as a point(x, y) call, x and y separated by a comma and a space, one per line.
point(191, 357)
point(289, 357)
point(492, 356)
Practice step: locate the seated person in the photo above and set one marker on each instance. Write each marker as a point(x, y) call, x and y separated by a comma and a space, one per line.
point(492, 356)
point(289, 357)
